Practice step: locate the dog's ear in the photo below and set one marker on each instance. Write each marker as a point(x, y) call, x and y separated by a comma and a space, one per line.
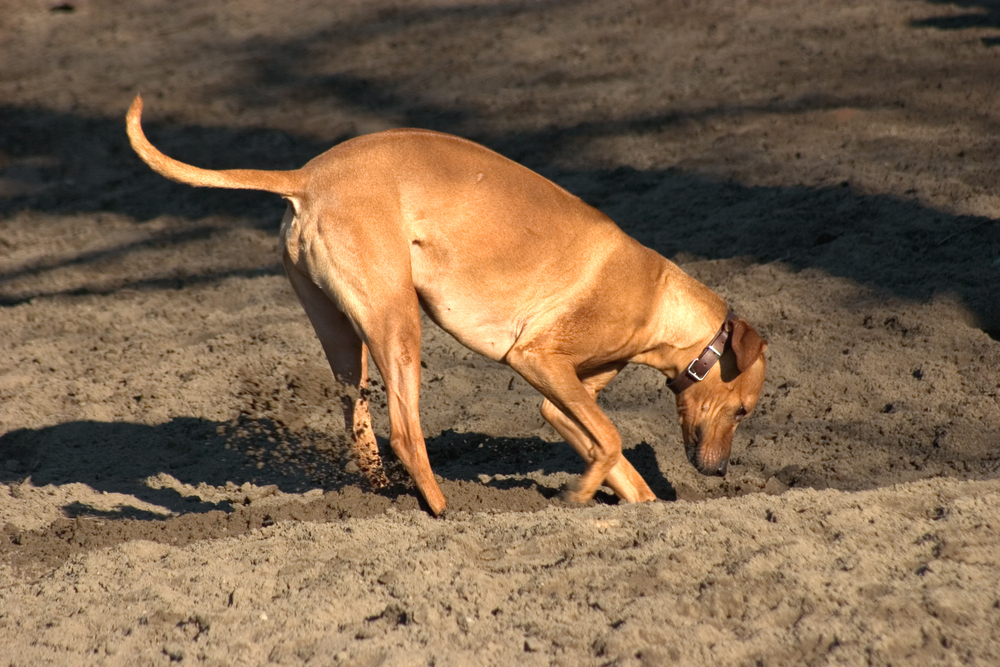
point(746, 343)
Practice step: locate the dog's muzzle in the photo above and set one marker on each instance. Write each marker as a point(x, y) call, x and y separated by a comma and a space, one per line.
point(705, 466)
point(712, 470)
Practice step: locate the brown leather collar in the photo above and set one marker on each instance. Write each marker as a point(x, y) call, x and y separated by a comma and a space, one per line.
point(698, 369)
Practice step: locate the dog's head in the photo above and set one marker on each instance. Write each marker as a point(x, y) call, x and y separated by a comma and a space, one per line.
point(710, 410)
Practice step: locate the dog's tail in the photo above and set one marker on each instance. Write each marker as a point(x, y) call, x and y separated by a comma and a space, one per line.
point(288, 184)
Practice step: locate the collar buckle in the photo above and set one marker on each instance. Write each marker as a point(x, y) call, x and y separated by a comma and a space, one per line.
point(693, 374)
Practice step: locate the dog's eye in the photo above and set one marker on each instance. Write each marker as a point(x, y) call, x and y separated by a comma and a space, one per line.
point(741, 413)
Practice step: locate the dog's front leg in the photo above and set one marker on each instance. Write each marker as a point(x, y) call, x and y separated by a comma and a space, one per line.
point(555, 376)
point(623, 479)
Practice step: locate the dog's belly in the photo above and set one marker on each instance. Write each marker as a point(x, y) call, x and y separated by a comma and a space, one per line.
point(475, 312)
point(475, 326)
point(483, 302)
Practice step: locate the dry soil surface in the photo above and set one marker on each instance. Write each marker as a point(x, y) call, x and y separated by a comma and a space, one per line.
point(174, 481)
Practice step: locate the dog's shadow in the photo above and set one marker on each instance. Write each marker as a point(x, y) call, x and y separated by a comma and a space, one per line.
point(168, 465)
point(527, 462)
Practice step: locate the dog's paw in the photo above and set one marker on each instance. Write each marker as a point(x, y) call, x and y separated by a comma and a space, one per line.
point(570, 497)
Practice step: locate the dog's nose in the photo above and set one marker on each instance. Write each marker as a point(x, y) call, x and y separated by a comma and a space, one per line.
point(716, 470)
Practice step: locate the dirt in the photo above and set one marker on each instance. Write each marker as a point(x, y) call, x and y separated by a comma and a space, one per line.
point(175, 486)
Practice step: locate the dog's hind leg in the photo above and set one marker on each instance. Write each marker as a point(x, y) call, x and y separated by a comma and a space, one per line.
point(348, 357)
point(623, 479)
point(363, 266)
point(393, 334)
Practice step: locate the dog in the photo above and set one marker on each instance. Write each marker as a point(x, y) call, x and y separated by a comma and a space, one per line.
point(516, 269)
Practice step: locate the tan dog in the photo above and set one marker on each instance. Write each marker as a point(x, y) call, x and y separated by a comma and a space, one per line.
point(515, 268)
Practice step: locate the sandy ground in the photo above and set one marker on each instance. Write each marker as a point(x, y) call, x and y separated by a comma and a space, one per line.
point(174, 483)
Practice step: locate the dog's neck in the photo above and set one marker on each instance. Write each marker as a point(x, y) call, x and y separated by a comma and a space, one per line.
point(686, 318)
